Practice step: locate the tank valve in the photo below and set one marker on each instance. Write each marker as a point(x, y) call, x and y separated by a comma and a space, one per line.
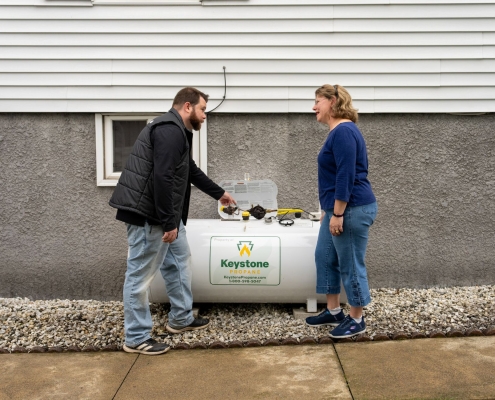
point(259, 212)
point(229, 210)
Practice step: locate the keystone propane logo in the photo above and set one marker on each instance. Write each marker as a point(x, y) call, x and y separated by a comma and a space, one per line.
point(245, 261)
point(245, 248)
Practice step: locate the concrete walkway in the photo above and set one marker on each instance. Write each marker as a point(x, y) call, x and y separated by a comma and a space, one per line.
point(455, 368)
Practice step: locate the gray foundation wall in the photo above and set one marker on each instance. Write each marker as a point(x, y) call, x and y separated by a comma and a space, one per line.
point(433, 175)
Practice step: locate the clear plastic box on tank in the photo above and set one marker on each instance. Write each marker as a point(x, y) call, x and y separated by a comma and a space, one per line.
point(249, 193)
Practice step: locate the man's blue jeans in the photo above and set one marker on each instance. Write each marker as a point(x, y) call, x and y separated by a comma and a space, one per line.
point(341, 258)
point(147, 254)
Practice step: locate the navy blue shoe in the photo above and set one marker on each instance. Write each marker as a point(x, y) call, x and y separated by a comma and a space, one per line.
point(348, 328)
point(326, 318)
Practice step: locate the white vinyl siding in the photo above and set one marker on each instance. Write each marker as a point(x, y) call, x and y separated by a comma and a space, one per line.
point(132, 57)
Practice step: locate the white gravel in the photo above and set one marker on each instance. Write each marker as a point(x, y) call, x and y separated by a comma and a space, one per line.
point(68, 324)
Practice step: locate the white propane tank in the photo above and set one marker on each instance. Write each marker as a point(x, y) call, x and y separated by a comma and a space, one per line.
point(250, 261)
point(235, 261)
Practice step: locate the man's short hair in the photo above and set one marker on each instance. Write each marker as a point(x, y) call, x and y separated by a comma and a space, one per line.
point(188, 95)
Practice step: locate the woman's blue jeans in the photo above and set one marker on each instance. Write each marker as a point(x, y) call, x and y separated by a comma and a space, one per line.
point(341, 258)
point(147, 254)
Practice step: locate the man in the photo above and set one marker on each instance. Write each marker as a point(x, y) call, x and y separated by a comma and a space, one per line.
point(152, 198)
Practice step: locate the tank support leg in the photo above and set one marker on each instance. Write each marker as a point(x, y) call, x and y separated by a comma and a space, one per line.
point(311, 305)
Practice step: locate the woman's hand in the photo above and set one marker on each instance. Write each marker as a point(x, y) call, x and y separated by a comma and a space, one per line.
point(336, 225)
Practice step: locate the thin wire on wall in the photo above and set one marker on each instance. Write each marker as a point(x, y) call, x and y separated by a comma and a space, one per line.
point(224, 90)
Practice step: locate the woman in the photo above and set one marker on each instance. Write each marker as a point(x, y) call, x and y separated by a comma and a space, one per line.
point(349, 209)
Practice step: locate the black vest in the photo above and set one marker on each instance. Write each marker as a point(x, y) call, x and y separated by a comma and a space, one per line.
point(135, 190)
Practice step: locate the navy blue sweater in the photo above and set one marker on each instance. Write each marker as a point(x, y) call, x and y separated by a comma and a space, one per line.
point(343, 168)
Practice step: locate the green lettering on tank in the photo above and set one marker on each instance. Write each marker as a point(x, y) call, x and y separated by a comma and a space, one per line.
point(225, 263)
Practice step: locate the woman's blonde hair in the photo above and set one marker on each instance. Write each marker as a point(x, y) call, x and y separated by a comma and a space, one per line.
point(343, 106)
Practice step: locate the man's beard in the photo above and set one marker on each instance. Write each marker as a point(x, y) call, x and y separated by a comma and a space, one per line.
point(195, 121)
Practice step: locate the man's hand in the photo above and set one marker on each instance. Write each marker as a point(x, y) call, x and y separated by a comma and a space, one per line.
point(170, 236)
point(227, 199)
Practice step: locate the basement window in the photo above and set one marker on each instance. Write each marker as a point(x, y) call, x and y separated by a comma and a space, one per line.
point(115, 137)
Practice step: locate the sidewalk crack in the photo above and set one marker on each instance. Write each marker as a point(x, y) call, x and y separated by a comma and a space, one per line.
point(125, 377)
point(343, 372)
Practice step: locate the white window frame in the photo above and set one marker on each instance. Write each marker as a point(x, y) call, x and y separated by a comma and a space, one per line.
point(116, 2)
point(105, 175)
point(146, 2)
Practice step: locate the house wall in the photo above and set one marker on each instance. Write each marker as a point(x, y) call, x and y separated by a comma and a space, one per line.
point(394, 56)
point(433, 174)
point(408, 65)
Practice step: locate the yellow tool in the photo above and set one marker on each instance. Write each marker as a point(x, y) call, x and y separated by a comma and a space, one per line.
point(283, 211)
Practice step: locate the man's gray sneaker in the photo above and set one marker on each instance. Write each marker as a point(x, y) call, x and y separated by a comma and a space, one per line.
point(149, 347)
point(198, 323)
